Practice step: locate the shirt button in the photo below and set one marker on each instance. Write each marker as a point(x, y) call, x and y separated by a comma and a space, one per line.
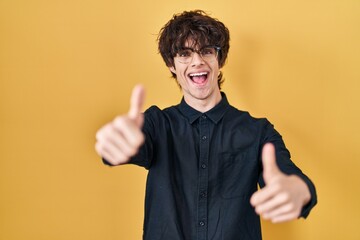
point(203, 116)
point(203, 194)
point(203, 166)
point(204, 137)
point(201, 223)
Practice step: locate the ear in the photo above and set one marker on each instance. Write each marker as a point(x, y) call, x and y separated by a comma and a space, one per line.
point(172, 69)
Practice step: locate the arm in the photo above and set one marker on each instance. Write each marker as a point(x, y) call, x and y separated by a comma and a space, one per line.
point(287, 188)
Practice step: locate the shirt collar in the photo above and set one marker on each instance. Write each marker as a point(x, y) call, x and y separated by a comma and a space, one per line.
point(215, 114)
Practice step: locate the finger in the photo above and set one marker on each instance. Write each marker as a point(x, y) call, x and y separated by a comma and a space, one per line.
point(136, 102)
point(272, 204)
point(270, 167)
point(102, 153)
point(118, 141)
point(108, 155)
point(286, 217)
point(111, 141)
point(264, 195)
point(130, 132)
point(278, 212)
point(117, 154)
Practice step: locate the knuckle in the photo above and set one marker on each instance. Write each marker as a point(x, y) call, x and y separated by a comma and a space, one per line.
point(98, 148)
point(140, 141)
point(119, 121)
point(131, 152)
point(113, 162)
point(107, 128)
point(286, 197)
point(117, 160)
point(123, 159)
point(99, 134)
point(294, 215)
point(103, 132)
point(276, 186)
point(137, 139)
point(127, 152)
point(292, 206)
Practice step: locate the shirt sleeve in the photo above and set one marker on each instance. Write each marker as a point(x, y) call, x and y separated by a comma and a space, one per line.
point(283, 159)
point(144, 158)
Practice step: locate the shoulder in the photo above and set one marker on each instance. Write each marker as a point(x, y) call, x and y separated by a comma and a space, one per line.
point(244, 117)
point(155, 111)
point(156, 115)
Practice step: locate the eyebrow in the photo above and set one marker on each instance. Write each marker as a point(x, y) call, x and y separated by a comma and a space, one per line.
point(193, 49)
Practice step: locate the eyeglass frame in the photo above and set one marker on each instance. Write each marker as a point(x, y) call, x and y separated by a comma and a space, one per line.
point(193, 51)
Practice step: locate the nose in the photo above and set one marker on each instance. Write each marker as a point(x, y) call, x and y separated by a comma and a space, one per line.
point(197, 59)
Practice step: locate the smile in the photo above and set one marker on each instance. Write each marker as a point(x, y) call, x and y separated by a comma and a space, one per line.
point(198, 78)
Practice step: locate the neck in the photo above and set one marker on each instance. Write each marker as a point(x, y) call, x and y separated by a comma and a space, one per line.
point(203, 105)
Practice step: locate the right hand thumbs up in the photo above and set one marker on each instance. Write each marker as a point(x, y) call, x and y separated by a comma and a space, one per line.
point(121, 139)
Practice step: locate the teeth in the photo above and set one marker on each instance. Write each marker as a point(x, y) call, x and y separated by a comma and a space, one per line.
point(197, 74)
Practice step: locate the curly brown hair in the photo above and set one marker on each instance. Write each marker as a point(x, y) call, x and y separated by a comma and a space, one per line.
point(201, 29)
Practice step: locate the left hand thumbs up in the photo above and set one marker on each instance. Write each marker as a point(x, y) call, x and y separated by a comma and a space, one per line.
point(283, 196)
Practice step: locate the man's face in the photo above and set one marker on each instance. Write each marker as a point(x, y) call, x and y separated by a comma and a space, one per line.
point(198, 76)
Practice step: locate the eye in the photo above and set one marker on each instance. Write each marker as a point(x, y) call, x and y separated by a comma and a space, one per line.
point(184, 53)
point(208, 51)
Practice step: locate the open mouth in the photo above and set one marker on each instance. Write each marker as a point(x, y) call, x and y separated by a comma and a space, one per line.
point(198, 78)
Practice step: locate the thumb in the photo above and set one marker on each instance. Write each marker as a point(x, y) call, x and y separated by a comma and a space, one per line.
point(270, 168)
point(136, 104)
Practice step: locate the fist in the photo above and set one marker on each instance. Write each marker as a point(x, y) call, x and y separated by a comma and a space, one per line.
point(283, 196)
point(121, 139)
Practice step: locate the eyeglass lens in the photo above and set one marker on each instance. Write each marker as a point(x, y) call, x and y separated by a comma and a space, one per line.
point(207, 53)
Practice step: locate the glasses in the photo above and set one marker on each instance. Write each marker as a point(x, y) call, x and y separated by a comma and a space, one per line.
point(207, 53)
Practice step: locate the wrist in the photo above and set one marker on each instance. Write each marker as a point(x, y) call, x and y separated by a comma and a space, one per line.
point(305, 191)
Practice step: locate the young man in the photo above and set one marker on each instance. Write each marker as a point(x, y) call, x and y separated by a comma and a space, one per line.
point(205, 158)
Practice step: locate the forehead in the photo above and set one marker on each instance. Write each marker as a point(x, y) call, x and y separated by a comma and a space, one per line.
point(195, 43)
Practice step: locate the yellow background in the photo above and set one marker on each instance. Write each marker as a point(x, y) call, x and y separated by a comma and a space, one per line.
point(68, 67)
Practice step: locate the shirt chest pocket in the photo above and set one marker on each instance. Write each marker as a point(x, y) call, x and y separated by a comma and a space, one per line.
point(239, 171)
